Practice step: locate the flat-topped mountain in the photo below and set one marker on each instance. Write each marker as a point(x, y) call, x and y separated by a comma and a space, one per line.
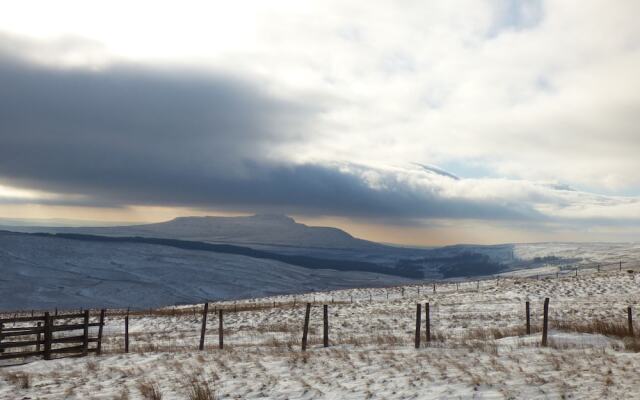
point(267, 229)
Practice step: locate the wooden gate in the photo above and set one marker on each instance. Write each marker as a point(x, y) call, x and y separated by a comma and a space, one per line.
point(49, 335)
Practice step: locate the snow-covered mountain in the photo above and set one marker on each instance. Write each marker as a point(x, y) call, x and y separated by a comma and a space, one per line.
point(260, 229)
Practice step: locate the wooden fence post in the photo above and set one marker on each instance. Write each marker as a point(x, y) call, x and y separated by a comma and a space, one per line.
point(99, 344)
point(1, 337)
point(434, 288)
point(203, 330)
point(418, 315)
point(305, 329)
point(85, 339)
point(545, 322)
point(220, 330)
point(427, 315)
point(620, 265)
point(630, 320)
point(47, 336)
point(325, 310)
point(126, 332)
point(528, 318)
point(38, 337)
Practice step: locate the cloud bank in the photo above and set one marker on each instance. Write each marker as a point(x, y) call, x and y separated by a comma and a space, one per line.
point(506, 111)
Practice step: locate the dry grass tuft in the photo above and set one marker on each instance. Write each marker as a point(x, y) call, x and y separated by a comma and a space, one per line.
point(200, 391)
point(21, 380)
point(601, 327)
point(632, 344)
point(149, 391)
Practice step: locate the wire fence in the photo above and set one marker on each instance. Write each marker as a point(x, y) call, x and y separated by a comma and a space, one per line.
point(460, 312)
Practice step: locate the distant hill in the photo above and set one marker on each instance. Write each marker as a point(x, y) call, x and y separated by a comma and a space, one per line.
point(262, 229)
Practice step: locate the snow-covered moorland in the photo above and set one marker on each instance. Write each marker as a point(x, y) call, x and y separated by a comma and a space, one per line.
point(479, 347)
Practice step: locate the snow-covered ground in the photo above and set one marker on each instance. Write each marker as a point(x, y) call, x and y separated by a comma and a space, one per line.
point(480, 349)
point(43, 273)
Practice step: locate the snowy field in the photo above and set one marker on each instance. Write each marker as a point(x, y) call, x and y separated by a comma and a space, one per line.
point(479, 347)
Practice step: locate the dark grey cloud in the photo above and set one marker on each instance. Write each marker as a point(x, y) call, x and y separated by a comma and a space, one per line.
point(137, 135)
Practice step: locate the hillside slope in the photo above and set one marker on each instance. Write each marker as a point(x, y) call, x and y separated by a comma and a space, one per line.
point(256, 229)
point(46, 272)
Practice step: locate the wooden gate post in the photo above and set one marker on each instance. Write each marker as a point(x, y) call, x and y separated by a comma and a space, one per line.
point(418, 315)
point(220, 329)
point(326, 325)
point(47, 336)
point(203, 330)
point(126, 332)
point(427, 316)
point(545, 322)
point(305, 329)
point(630, 320)
point(38, 337)
point(528, 318)
point(85, 338)
point(99, 344)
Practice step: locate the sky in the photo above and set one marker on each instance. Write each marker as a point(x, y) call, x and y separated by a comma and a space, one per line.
point(409, 122)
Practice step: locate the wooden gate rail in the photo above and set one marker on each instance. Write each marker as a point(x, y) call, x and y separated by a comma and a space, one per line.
point(44, 336)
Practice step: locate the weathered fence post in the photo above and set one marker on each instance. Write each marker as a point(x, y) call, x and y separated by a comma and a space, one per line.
point(305, 329)
point(126, 332)
point(203, 330)
point(418, 315)
point(38, 337)
point(1, 337)
point(434, 288)
point(220, 330)
point(427, 315)
point(630, 320)
point(528, 318)
point(85, 338)
point(99, 344)
point(620, 265)
point(598, 267)
point(47, 336)
point(545, 322)
point(325, 311)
